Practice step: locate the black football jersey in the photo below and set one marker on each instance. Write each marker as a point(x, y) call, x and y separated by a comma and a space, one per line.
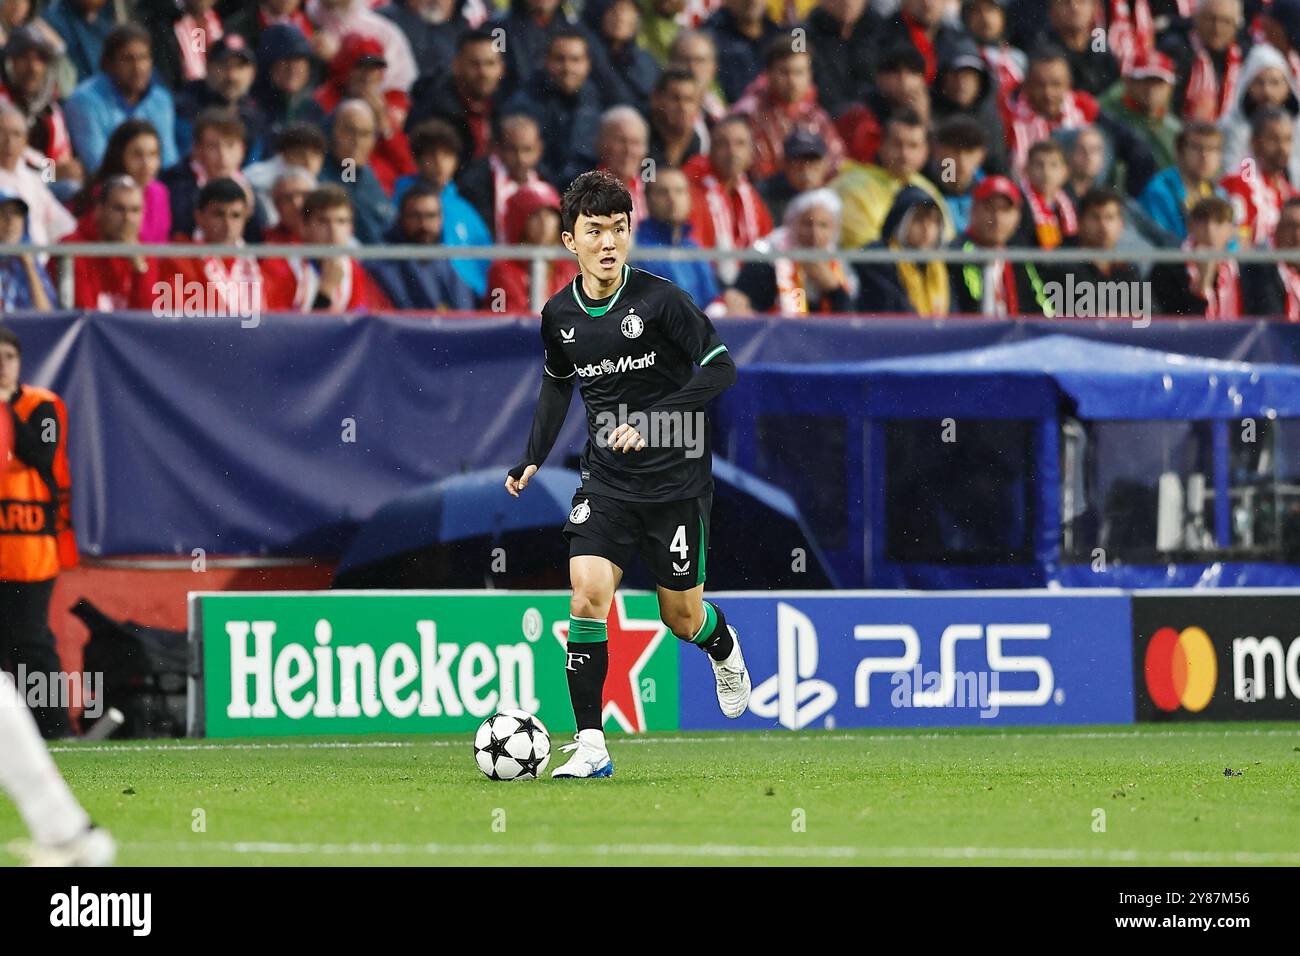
point(642, 346)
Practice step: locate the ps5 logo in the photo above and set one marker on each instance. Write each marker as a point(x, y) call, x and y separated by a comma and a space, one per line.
point(793, 695)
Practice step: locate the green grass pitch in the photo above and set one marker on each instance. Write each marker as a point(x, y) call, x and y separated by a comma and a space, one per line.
point(1100, 795)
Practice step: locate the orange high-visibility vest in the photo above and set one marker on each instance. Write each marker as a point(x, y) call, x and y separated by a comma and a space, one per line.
point(36, 537)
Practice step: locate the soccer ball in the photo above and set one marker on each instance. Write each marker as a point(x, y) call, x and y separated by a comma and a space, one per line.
point(512, 745)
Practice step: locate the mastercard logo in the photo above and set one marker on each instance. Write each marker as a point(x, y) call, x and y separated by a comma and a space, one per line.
point(1181, 669)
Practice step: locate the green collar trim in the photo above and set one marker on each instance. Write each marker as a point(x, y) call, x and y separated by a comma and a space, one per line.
point(597, 311)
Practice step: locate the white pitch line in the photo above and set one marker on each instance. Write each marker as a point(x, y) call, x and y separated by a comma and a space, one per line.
point(776, 735)
point(713, 851)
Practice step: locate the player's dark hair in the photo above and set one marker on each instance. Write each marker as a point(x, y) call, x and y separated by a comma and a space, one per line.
point(596, 193)
point(1099, 196)
point(9, 337)
point(221, 190)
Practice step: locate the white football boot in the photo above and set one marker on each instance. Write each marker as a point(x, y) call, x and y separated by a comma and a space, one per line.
point(732, 678)
point(590, 757)
point(92, 847)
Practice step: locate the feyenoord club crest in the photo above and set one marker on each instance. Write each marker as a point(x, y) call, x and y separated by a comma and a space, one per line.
point(580, 513)
point(632, 324)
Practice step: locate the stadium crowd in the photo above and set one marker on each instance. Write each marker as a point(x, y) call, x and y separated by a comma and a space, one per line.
point(773, 124)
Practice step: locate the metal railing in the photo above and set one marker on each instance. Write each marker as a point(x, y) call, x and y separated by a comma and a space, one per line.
point(538, 256)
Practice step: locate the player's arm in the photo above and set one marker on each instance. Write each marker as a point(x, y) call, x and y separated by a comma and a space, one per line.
point(690, 329)
point(552, 408)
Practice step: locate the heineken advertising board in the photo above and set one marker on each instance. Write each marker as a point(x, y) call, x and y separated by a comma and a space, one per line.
point(340, 662)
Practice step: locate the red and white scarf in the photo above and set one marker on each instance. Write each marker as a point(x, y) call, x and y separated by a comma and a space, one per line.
point(1206, 98)
point(1026, 127)
point(1132, 30)
point(728, 233)
point(1005, 67)
point(1052, 221)
point(1257, 203)
point(227, 278)
point(1291, 284)
point(1224, 300)
point(1000, 295)
point(503, 187)
point(194, 55)
point(308, 275)
point(792, 292)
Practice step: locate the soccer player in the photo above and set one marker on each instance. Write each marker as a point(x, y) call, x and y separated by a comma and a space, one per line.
point(633, 340)
point(62, 834)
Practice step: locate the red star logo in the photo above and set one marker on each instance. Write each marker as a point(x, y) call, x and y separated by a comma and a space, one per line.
point(631, 644)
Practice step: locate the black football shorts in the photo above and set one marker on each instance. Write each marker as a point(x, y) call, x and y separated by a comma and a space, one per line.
point(672, 537)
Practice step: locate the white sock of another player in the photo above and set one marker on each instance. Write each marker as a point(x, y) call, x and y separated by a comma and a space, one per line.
point(29, 776)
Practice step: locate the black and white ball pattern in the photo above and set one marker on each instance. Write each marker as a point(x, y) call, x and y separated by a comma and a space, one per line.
point(512, 745)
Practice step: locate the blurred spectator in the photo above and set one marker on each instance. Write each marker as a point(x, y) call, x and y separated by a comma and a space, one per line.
point(283, 85)
point(468, 97)
point(1266, 84)
point(412, 283)
point(780, 101)
point(668, 225)
point(1046, 102)
point(231, 285)
point(674, 118)
point(489, 183)
point(134, 152)
point(566, 106)
point(47, 220)
point(918, 24)
point(23, 284)
point(288, 194)
point(900, 86)
point(84, 26)
point(793, 288)
point(727, 212)
point(529, 27)
point(915, 221)
point(353, 132)
point(1273, 289)
point(357, 72)
point(28, 81)
point(1207, 54)
point(621, 149)
point(120, 282)
point(299, 146)
point(868, 191)
point(1141, 103)
point(803, 168)
point(1070, 25)
point(532, 219)
point(624, 73)
point(957, 164)
point(1088, 158)
point(1173, 191)
point(1051, 212)
point(336, 19)
point(218, 153)
point(338, 283)
point(837, 33)
point(1195, 289)
point(741, 31)
point(986, 21)
point(124, 90)
point(437, 149)
point(996, 288)
point(660, 24)
point(1101, 224)
point(695, 52)
point(228, 85)
point(431, 27)
point(253, 21)
point(183, 33)
point(966, 88)
point(1261, 183)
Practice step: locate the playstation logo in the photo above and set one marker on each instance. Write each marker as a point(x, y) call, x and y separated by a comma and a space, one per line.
point(793, 695)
